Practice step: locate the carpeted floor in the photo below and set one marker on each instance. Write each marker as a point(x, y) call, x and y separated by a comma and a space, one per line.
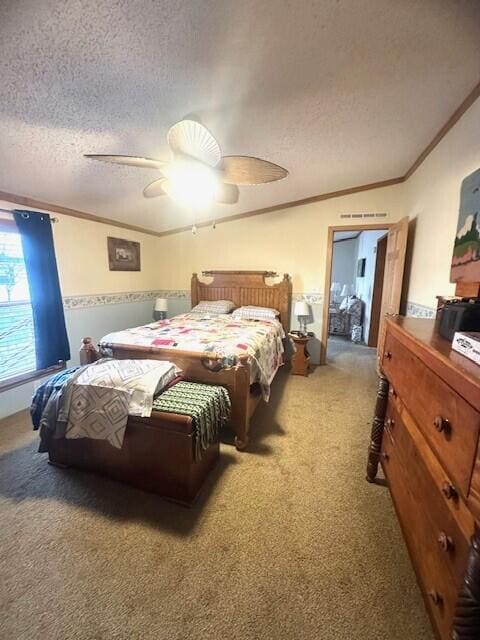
point(287, 542)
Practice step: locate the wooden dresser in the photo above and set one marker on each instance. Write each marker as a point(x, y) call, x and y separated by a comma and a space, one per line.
point(425, 434)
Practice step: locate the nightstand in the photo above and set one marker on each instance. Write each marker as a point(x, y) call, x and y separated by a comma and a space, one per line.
point(301, 357)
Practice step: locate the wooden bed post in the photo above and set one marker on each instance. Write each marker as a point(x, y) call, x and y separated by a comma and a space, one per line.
point(240, 398)
point(285, 298)
point(88, 352)
point(194, 284)
point(377, 428)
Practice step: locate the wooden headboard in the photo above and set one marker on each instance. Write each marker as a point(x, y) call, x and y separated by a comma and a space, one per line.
point(246, 288)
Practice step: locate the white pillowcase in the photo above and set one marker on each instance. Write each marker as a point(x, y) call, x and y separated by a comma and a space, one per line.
point(141, 379)
point(214, 306)
point(255, 313)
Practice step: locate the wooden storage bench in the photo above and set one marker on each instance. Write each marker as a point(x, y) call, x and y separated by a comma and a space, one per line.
point(157, 456)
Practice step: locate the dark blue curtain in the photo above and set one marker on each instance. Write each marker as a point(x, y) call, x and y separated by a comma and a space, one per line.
point(51, 341)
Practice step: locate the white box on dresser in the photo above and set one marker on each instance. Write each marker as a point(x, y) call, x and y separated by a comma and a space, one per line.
point(468, 344)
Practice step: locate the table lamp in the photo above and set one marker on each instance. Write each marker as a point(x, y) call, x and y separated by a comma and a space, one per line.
point(347, 291)
point(160, 309)
point(302, 311)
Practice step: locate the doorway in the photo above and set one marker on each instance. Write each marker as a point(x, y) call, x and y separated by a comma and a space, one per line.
point(356, 258)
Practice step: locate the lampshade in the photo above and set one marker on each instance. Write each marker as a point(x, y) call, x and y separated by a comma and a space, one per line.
point(348, 290)
point(335, 287)
point(161, 304)
point(301, 308)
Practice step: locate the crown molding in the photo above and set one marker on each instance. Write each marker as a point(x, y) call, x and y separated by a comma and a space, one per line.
point(33, 203)
point(287, 205)
point(26, 201)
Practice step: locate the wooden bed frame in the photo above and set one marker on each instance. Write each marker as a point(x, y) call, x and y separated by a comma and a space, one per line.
point(243, 288)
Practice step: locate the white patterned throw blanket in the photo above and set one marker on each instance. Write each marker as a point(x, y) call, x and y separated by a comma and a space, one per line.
point(107, 392)
point(227, 337)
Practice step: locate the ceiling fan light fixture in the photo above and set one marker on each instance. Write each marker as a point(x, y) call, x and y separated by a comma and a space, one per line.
point(192, 184)
point(199, 175)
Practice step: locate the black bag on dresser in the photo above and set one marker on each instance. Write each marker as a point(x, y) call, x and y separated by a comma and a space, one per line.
point(459, 315)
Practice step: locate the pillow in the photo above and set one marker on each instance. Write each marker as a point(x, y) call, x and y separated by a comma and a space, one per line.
point(255, 313)
point(141, 379)
point(214, 306)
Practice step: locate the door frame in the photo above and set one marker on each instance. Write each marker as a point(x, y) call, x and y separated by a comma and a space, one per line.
point(379, 226)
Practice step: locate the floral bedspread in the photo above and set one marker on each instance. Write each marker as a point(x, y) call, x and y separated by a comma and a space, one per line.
point(261, 340)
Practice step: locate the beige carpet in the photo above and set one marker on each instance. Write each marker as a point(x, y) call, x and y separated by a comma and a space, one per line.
point(287, 542)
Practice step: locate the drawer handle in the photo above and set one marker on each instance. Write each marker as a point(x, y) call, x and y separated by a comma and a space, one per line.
point(387, 355)
point(449, 491)
point(392, 392)
point(445, 542)
point(390, 423)
point(442, 425)
point(385, 456)
point(435, 597)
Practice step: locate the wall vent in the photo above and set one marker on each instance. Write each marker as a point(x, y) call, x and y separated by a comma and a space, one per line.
point(363, 215)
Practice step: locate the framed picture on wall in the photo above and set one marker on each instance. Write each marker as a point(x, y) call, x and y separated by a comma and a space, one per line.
point(123, 255)
point(361, 267)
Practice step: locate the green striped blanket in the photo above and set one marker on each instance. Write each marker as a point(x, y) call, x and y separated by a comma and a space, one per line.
point(206, 404)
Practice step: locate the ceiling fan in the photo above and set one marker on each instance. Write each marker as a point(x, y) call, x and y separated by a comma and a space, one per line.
point(198, 174)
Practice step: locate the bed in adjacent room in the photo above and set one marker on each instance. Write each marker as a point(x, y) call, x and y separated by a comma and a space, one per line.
point(235, 350)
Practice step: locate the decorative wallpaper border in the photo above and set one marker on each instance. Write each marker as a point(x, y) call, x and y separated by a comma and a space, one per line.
point(101, 299)
point(311, 298)
point(420, 311)
point(98, 300)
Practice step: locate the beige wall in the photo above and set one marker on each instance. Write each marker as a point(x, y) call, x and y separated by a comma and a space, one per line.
point(432, 197)
point(81, 249)
point(290, 241)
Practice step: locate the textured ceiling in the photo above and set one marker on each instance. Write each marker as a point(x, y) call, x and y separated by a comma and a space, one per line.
point(341, 93)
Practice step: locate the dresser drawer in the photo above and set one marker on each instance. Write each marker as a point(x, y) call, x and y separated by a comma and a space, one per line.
point(437, 545)
point(449, 423)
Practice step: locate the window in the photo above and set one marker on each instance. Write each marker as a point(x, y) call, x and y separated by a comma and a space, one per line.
point(17, 340)
point(33, 335)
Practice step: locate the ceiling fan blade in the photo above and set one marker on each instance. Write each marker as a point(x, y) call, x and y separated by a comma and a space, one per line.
point(129, 161)
point(156, 188)
point(248, 170)
point(191, 138)
point(227, 194)
point(167, 188)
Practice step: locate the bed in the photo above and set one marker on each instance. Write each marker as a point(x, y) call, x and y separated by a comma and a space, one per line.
point(241, 376)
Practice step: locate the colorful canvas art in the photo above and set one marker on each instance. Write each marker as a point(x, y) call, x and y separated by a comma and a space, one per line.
point(466, 250)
